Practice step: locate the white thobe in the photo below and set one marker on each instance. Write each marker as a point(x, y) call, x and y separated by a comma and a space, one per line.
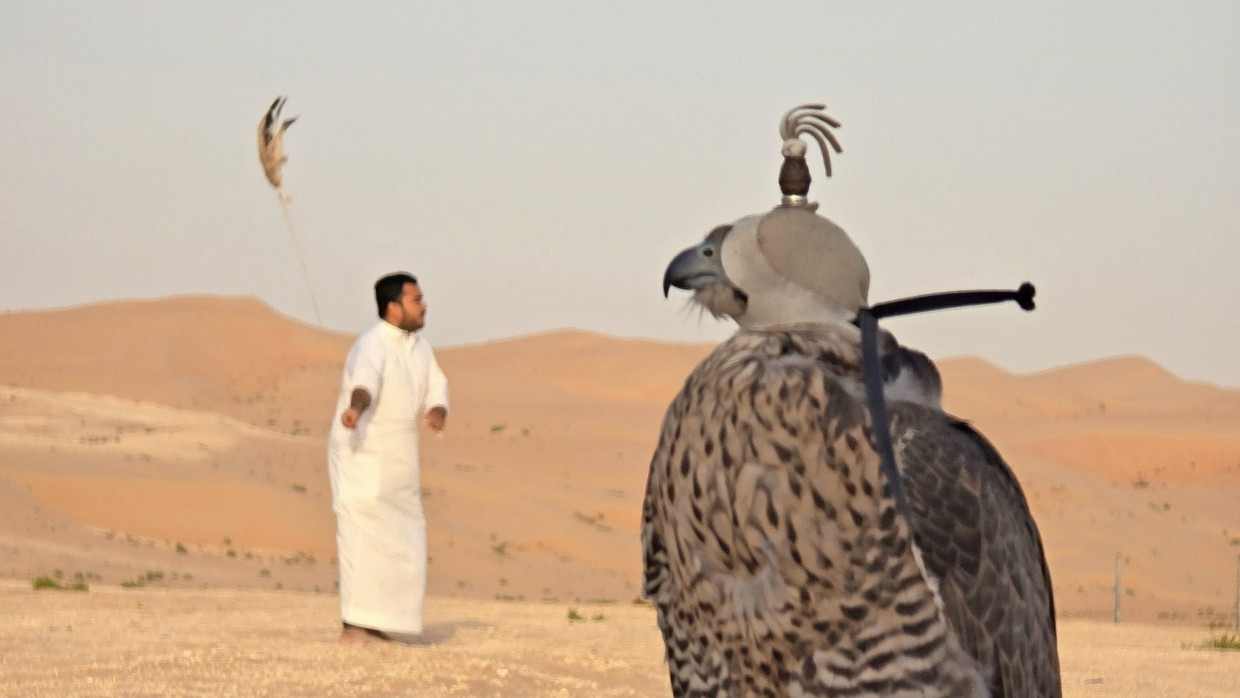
point(376, 493)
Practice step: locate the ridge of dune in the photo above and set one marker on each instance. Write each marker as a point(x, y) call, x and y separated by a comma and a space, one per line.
point(971, 368)
point(583, 363)
point(1112, 371)
point(233, 355)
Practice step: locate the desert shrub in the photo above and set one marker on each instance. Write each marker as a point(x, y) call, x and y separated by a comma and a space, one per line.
point(45, 582)
point(1224, 641)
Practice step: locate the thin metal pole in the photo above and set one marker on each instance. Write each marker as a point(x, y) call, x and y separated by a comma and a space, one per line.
point(1119, 561)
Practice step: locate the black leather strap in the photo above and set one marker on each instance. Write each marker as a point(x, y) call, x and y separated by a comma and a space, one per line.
point(872, 370)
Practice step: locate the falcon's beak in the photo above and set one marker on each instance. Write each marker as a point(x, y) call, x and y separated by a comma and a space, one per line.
point(695, 268)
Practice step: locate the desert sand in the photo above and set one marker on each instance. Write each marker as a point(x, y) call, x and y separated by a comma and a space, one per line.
point(176, 447)
point(220, 642)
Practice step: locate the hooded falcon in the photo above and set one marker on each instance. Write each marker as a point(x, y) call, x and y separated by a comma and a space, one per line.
point(776, 556)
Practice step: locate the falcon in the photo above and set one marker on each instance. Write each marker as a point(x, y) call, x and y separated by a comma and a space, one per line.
point(776, 555)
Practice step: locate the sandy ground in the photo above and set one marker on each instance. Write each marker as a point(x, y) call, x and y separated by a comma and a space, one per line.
point(121, 642)
point(183, 642)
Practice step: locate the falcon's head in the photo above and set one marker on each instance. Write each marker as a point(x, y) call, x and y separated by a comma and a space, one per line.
point(785, 267)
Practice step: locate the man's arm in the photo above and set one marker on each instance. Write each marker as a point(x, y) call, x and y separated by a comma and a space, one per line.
point(436, 395)
point(364, 369)
point(359, 400)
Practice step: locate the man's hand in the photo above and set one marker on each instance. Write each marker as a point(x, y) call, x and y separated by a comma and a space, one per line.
point(436, 418)
point(350, 417)
point(359, 400)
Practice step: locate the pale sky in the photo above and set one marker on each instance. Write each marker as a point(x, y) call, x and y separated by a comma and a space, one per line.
point(537, 164)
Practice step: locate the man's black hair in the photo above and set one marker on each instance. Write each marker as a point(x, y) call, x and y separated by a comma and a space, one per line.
point(387, 289)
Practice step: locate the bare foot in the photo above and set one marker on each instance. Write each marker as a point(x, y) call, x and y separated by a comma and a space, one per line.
point(353, 635)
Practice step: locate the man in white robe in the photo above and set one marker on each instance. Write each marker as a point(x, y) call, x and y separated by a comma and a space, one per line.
point(391, 383)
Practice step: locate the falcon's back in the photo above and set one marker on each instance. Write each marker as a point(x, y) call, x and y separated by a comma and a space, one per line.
point(779, 565)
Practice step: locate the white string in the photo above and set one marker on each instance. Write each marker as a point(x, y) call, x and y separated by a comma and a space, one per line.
point(288, 218)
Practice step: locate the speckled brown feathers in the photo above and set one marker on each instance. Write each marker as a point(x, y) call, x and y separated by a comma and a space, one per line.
point(976, 534)
point(779, 567)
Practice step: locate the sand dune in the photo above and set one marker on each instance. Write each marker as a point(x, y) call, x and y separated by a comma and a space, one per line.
point(232, 356)
point(179, 442)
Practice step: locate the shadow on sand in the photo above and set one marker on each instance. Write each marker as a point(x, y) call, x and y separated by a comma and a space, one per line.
point(435, 633)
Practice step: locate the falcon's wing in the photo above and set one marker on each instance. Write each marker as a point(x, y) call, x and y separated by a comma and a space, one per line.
point(976, 535)
point(265, 129)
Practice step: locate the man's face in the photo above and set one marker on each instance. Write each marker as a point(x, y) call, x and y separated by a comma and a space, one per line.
point(411, 314)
